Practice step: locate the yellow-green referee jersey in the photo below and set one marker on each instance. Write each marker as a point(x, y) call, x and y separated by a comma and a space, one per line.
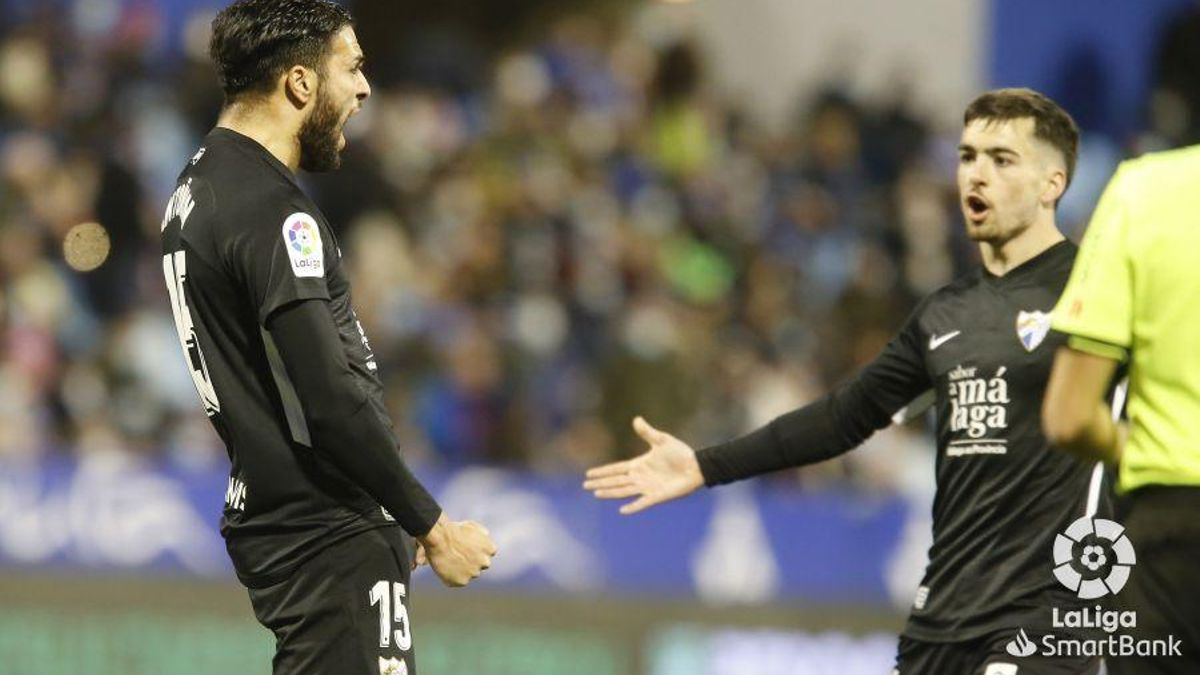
point(1135, 293)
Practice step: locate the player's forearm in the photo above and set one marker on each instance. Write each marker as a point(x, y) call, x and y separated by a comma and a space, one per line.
point(753, 454)
point(829, 427)
point(359, 444)
point(343, 425)
point(801, 437)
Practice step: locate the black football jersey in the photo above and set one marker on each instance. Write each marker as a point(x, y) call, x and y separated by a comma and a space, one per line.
point(241, 239)
point(984, 345)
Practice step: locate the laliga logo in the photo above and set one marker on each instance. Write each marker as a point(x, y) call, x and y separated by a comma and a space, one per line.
point(1093, 557)
point(300, 236)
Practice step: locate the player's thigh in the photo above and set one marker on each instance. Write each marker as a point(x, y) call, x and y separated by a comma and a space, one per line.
point(379, 596)
point(345, 612)
point(917, 657)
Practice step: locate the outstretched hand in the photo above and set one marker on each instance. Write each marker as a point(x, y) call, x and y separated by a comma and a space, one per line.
point(668, 470)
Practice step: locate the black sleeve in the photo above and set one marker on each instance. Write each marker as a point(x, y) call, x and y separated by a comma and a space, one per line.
point(279, 254)
point(832, 425)
point(341, 421)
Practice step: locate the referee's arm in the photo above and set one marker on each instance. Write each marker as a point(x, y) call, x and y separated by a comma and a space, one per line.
point(1075, 416)
point(1096, 312)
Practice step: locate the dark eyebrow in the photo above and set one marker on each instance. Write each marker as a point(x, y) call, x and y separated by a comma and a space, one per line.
point(993, 151)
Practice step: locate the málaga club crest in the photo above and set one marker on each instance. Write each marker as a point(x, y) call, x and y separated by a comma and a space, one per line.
point(1032, 328)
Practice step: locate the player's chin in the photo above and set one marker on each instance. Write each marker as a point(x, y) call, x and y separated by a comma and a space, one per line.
point(980, 232)
point(979, 228)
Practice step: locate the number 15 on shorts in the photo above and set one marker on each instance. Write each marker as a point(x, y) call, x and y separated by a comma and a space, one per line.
point(390, 595)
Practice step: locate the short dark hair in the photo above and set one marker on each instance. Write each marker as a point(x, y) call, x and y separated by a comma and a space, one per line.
point(1050, 122)
point(255, 41)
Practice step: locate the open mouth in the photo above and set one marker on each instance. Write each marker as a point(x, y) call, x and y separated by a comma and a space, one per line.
point(977, 208)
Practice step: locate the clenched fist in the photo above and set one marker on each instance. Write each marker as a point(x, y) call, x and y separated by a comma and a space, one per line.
point(458, 551)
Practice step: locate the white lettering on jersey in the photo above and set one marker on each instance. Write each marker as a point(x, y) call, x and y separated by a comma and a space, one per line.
point(235, 494)
point(180, 206)
point(921, 598)
point(363, 334)
point(365, 342)
point(175, 274)
point(302, 239)
point(978, 406)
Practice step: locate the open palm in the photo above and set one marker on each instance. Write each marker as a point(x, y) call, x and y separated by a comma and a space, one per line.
point(668, 470)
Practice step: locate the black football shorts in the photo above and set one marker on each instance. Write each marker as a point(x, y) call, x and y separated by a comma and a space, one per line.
point(344, 611)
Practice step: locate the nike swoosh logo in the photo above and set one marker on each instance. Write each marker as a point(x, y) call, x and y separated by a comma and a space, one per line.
point(936, 341)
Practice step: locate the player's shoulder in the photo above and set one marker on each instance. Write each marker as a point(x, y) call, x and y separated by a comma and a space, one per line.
point(1063, 255)
point(240, 180)
point(244, 185)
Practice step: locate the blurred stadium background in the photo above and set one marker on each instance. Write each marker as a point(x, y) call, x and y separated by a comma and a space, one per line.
point(559, 214)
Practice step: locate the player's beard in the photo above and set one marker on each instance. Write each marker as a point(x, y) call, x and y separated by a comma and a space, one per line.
point(319, 136)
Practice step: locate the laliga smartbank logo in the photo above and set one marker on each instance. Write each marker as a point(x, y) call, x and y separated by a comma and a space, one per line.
point(1021, 645)
point(1093, 558)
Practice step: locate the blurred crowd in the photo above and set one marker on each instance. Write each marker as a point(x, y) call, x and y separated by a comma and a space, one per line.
point(588, 233)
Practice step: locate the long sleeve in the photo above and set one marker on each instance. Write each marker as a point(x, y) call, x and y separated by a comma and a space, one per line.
point(342, 424)
point(831, 425)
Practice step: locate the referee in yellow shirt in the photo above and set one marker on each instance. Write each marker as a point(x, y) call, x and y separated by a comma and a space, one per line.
point(1134, 296)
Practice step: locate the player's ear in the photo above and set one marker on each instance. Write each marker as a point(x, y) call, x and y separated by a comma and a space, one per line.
point(1056, 185)
point(300, 85)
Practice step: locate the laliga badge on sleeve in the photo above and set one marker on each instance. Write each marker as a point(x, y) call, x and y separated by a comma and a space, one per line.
point(302, 239)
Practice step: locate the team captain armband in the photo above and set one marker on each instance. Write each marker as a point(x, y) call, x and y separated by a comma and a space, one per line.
point(302, 239)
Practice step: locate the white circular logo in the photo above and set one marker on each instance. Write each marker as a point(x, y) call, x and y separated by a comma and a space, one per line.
point(1093, 557)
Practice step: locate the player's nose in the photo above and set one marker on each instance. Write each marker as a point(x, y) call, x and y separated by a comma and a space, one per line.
point(977, 175)
point(364, 88)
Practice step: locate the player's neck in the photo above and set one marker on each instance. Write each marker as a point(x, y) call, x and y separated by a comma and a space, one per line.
point(1001, 258)
point(254, 122)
